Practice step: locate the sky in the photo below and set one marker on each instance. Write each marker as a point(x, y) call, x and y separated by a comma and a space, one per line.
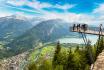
point(82, 11)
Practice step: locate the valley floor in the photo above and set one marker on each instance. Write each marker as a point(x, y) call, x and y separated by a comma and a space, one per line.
point(14, 63)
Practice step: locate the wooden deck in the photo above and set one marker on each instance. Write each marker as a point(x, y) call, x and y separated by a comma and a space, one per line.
point(88, 32)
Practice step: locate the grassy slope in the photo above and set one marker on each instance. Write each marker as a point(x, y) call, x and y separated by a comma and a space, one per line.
point(48, 51)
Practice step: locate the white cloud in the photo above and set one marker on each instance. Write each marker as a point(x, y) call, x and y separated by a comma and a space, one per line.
point(38, 5)
point(64, 7)
point(24, 9)
point(5, 14)
point(95, 17)
point(35, 4)
point(99, 14)
point(70, 17)
point(17, 3)
point(99, 10)
point(91, 18)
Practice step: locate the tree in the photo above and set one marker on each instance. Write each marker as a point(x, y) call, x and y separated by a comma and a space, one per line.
point(89, 54)
point(56, 55)
point(46, 65)
point(32, 66)
point(80, 59)
point(70, 63)
point(59, 67)
point(77, 49)
point(100, 46)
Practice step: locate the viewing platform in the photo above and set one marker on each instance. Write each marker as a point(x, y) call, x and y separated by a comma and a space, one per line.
point(85, 29)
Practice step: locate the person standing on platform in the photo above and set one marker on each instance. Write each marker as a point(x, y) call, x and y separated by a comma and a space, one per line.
point(74, 26)
point(77, 27)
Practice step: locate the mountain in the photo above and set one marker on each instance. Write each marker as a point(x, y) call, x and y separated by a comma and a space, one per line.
point(46, 31)
point(13, 26)
point(36, 20)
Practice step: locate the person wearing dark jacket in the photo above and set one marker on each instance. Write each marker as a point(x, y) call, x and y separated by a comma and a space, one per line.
point(74, 27)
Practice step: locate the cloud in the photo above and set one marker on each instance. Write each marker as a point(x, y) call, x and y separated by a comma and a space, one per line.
point(5, 14)
point(16, 3)
point(64, 7)
point(70, 17)
point(38, 5)
point(94, 17)
point(67, 16)
point(99, 13)
point(22, 9)
point(99, 10)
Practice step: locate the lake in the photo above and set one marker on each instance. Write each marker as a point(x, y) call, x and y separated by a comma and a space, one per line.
point(92, 38)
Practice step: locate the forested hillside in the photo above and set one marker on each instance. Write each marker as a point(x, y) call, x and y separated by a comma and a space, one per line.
point(65, 58)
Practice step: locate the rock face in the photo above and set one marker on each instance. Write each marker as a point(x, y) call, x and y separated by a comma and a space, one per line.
point(99, 64)
point(14, 63)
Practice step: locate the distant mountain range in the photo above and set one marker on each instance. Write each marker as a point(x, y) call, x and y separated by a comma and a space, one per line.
point(24, 33)
point(13, 26)
point(45, 31)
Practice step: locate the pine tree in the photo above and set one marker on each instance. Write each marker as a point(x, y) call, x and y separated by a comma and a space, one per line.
point(46, 65)
point(80, 59)
point(100, 46)
point(55, 61)
point(32, 66)
point(59, 67)
point(77, 49)
point(70, 63)
point(89, 54)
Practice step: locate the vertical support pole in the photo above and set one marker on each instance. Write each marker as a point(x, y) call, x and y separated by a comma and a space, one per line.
point(100, 32)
